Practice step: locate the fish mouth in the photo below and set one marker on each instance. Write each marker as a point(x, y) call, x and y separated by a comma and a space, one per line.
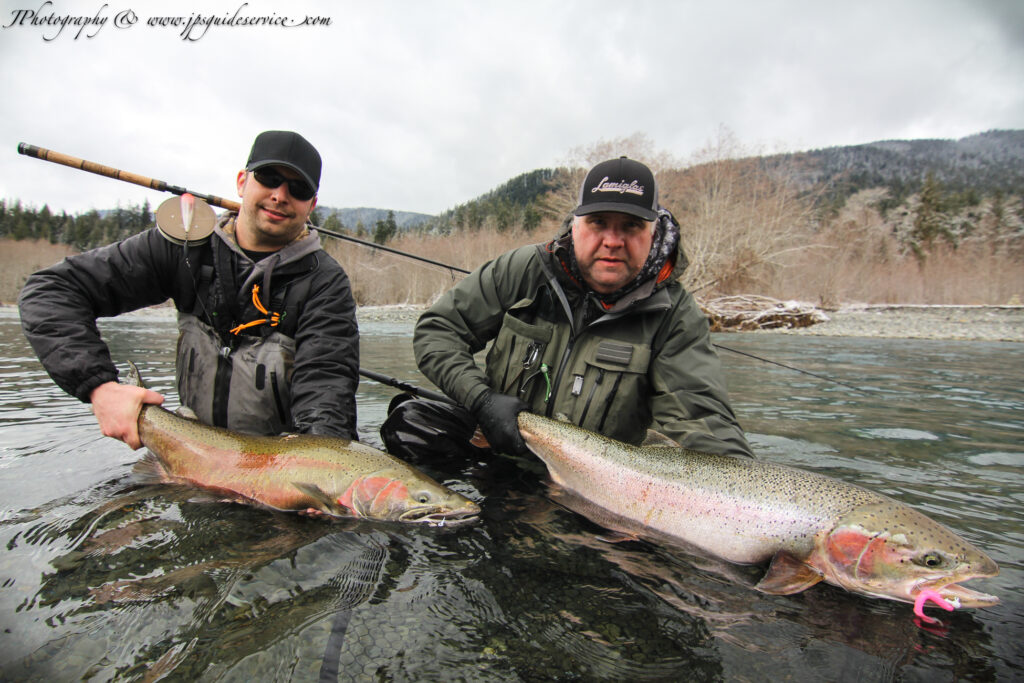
point(435, 517)
point(959, 596)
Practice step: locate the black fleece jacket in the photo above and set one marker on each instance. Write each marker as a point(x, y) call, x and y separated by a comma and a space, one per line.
point(60, 304)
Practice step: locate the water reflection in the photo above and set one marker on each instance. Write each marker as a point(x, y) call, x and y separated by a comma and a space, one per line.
point(106, 581)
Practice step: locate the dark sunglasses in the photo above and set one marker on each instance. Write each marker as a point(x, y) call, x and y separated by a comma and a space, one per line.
point(271, 179)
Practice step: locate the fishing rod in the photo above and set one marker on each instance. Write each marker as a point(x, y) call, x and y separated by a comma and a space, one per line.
point(231, 205)
point(405, 386)
point(118, 174)
point(163, 186)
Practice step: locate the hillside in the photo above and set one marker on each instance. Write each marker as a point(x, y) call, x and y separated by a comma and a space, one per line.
point(983, 164)
point(519, 203)
point(923, 221)
point(351, 218)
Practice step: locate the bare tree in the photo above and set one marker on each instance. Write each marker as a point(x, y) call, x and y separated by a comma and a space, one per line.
point(740, 221)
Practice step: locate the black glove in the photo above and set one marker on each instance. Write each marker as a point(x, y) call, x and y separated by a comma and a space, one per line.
point(496, 414)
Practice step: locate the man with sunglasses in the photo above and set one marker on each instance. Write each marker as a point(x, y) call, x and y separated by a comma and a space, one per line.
point(267, 341)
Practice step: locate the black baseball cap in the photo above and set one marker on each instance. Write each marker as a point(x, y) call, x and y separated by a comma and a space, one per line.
point(285, 148)
point(622, 185)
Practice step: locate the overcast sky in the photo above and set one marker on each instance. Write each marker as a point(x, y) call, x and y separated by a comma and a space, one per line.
point(419, 105)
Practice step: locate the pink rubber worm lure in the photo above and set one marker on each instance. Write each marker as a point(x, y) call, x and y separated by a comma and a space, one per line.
point(929, 594)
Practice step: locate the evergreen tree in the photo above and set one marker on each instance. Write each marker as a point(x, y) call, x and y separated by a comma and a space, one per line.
point(333, 223)
point(390, 225)
point(531, 218)
point(385, 229)
point(43, 224)
point(145, 216)
point(19, 229)
point(929, 219)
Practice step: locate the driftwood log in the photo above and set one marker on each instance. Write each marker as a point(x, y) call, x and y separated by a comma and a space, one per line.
point(750, 312)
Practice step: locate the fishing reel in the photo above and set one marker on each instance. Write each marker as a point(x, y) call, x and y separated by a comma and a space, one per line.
point(185, 220)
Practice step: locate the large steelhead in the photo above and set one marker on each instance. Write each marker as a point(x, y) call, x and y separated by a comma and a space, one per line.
point(296, 472)
point(809, 526)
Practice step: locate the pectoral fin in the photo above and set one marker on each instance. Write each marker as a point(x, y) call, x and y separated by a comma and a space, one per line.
point(320, 499)
point(654, 438)
point(479, 440)
point(187, 413)
point(787, 575)
point(150, 470)
point(616, 537)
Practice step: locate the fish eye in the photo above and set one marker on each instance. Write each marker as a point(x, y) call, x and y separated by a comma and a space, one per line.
point(930, 559)
point(423, 498)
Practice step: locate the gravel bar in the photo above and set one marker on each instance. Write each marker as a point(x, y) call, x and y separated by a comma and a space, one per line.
point(908, 321)
point(969, 323)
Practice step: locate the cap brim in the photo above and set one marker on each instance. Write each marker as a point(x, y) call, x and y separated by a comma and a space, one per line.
point(631, 209)
point(287, 164)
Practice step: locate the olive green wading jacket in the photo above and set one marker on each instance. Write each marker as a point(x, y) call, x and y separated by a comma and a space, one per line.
point(647, 363)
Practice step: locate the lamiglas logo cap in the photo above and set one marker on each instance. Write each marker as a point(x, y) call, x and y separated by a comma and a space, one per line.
point(622, 185)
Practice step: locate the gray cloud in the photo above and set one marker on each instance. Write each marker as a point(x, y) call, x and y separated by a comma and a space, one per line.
point(422, 105)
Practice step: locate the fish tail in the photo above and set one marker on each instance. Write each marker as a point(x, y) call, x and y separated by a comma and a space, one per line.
point(134, 378)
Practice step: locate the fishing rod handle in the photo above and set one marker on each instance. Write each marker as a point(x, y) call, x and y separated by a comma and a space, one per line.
point(117, 174)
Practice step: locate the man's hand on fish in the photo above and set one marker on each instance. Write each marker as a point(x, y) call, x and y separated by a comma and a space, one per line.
point(496, 414)
point(116, 407)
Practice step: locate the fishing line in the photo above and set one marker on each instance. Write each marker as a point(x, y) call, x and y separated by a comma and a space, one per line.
point(374, 245)
point(788, 367)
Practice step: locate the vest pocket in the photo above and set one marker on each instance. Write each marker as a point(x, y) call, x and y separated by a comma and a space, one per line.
point(515, 358)
point(610, 391)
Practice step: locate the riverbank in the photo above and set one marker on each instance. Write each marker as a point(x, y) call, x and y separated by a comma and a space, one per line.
point(968, 323)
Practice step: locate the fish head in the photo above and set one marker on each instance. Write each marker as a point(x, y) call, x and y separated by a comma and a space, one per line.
point(892, 551)
point(405, 495)
point(559, 444)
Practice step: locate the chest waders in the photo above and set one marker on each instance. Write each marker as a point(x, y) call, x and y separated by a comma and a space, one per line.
point(235, 363)
point(596, 374)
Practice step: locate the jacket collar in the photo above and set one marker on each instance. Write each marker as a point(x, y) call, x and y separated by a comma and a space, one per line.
point(676, 262)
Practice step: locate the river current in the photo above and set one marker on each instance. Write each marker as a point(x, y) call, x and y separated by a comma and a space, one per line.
point(104, 580)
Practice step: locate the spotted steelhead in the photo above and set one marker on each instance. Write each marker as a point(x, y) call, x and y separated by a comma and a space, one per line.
point(294, 472)
point(810, 527)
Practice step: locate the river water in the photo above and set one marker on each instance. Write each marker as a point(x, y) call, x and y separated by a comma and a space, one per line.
point(106, 581)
